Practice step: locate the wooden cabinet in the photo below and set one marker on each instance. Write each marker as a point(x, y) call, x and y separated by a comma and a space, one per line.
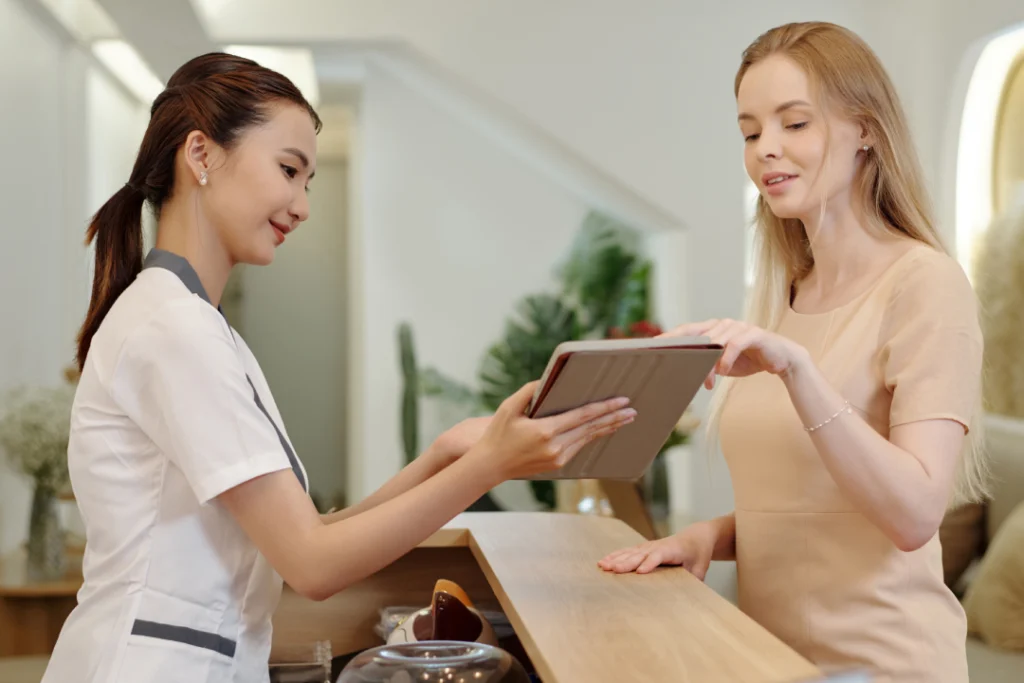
point(32, 613)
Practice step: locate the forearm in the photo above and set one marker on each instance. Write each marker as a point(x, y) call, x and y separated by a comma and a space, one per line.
point(886, 483)
point(351, 549)
point(419, 470)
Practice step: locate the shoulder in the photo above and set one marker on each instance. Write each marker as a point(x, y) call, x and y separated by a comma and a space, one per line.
point(928, 271)
point(157, 300)
point(174, 331)
point(927, 281)
point(931, 309)
point(154, 310)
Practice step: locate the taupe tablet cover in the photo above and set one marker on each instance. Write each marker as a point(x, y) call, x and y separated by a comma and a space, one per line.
point(660, 376)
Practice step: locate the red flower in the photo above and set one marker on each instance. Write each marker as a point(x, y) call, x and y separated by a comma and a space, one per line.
point(644, 328)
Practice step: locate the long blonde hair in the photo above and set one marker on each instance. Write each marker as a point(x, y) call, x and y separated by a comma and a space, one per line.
point(849, 77)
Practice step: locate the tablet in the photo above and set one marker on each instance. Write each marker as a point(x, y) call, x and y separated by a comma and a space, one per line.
point(660, 375)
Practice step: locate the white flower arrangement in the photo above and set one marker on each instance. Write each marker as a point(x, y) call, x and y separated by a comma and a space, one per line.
point(34, 433)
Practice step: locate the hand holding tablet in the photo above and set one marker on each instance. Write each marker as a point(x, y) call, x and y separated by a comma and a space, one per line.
point(660, 376)
point(518, 447)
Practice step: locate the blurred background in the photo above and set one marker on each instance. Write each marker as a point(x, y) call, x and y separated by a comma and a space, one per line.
point(492, 178)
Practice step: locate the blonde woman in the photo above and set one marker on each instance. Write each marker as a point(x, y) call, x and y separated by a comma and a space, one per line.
point(846, 439)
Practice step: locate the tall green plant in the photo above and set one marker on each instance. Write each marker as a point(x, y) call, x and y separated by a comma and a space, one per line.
point(605, 276)
point(605, 292)
point(410, 393)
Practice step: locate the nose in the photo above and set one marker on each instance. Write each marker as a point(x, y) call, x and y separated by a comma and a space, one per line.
point(769, 146)
point(299, 210)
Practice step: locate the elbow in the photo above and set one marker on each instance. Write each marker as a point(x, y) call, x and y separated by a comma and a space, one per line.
point(914, 535)
point(306, 576)
point(908, 543)
point(310, 586)
point(316, 582)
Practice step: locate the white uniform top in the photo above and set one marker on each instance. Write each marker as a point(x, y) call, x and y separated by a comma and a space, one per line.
point(168, 415)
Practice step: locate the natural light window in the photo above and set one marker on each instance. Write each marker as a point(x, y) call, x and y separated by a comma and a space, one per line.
point(974, 181)
point(1008, 164)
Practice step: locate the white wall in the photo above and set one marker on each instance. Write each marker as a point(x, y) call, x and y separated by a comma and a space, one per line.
point(452, 233)
point(30, 346)
point(294, 319)
point(45, 134)
point(116, 123)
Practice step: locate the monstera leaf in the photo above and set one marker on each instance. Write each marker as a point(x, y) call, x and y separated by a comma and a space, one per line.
point(541, 323)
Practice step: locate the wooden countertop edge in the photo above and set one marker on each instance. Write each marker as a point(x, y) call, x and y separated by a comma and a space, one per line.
point(459, 533)
point(531, 646)
point(457, 536)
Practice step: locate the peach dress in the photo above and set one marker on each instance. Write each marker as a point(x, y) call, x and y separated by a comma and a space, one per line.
point(811, 568)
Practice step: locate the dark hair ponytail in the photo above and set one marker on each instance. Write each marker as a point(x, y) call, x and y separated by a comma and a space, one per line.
point(219, 94)
point(117, 230)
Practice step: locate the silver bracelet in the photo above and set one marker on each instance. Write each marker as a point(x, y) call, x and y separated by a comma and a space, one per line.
point(845, 409)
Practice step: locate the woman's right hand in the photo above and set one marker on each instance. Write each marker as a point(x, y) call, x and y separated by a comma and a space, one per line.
point(692, 548)
point(519, 446)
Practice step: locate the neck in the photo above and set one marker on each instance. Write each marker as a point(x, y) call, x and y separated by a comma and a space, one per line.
point(844, 244)
point(179, 234)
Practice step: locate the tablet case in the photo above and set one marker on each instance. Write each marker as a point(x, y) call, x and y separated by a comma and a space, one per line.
point(660, 375)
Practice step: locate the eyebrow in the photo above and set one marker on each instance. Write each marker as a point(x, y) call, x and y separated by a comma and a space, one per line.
point(302, 158)
point(778, 110)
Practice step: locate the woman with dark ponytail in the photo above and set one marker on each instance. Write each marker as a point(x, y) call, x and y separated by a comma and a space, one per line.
point(194, 501)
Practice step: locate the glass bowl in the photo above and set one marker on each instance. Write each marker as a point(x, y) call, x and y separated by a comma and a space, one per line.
point(434, 661)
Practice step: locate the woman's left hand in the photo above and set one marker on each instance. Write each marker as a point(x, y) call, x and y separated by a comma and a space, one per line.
point(748, 349)
point(453, 443)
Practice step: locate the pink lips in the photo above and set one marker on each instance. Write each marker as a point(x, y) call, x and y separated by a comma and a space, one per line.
point(280, 231)
point(772, 185)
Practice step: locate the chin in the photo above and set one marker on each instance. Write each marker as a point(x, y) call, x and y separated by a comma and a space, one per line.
point(258, 257)
point(782, 208)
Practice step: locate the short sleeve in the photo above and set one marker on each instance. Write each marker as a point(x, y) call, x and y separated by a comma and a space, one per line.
point(180, 379)
point(932, 344)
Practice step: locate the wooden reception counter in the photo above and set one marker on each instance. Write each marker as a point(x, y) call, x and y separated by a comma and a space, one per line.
point(575, 622)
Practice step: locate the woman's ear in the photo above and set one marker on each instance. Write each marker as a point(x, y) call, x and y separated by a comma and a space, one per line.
point(197, 155)
point(867, 139)
point(202, 155)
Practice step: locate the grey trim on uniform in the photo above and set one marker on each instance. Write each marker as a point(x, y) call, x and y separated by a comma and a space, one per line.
point(158, 258)
point(284, 442)
point(186, 635)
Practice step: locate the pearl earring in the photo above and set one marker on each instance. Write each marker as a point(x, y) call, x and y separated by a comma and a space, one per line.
point(866, 148)
point(202, 178)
